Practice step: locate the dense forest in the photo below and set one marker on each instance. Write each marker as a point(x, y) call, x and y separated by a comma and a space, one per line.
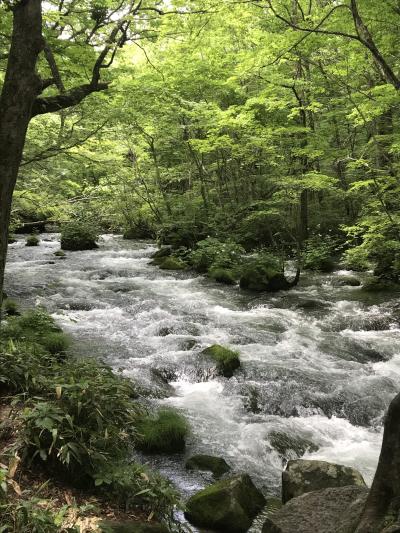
point(256, 142)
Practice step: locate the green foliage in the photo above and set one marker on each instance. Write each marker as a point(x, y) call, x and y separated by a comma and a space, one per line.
point(318, 253)
point(212, 253)
point(78, 419)
point(162, 432)
point(29, 516)
point(222, 275)
point(79, 235)
point(10, 307)
point(259, 270)
point(132, 485)
point(32, 240)
point(171, 263)
point(85, 419)
point(38, 328)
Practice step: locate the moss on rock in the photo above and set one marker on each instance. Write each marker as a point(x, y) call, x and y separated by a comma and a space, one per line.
point(227, 505)
point(287, 445)
point(375, 284)
point(172, 263)
point(227, 361)
point(78, 235)
point(32, 240)
point(208, 463)
point(222, 275)
point(164, 432)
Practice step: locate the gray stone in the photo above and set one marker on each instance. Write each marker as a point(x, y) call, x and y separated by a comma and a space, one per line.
point(229, 505)
point(209, 463)
point(332, 510)
point(303, 476)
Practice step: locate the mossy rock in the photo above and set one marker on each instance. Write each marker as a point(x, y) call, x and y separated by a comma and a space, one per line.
point(227, 361)
point(284, 444)
point(303, 476)
point(172, 263)
point(227, 505)
point(374, 284)
point(208, 463)
point(107, 526)
point(32, 240)
point(263, 279)
point(60, 253)
point(164, 432)
point(78, 235)
point(222, 275)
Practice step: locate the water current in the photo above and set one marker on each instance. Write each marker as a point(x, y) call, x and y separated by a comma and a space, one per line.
point(320, 363)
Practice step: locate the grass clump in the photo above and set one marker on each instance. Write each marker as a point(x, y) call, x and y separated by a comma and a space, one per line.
point(76, 419)
point(227, 360)
point(163, 432)
point(10, 308)
point(38, 328)
point(32, 240)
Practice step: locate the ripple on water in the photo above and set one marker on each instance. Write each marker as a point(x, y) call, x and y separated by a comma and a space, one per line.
point(319, 362)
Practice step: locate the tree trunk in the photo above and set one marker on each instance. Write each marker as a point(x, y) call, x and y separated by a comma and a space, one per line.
point(383, 498)
point(20, 89)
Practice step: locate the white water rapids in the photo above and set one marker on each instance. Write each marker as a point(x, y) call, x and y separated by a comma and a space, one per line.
point(319, 362)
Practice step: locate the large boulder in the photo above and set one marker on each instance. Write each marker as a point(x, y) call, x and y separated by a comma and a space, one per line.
point(208, 463)
point(303, 476)
point(227, 505)
point(172, 263)
point(332, 510)
point(227, 361)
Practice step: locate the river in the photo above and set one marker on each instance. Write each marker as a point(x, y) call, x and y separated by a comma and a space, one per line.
point(319, 362)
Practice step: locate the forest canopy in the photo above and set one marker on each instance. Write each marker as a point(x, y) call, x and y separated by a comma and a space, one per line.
point(272, 123)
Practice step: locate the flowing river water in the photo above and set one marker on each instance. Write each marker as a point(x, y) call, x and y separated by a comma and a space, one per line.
point(320, 363)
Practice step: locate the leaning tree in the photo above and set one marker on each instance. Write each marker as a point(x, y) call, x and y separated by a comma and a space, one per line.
point(55, 54)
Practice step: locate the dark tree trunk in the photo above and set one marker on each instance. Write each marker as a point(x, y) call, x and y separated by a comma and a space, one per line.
point(384, 496)
point(20, 89)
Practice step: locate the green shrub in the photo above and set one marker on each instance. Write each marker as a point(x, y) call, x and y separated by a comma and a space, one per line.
point(133, 485)
point(37, 327)
point(32, 240)
point(85, 419)
point(10, 307)
point(28, 516)
point(172, 263)
point(184, 233)
point(260, 272)
point(318, 254)
point(222, 275)
point(212, 253)
point(356, 259)
point(79, 235)
point(55, 343)
point(163, 432)
point(140, 228)
point(227, 360)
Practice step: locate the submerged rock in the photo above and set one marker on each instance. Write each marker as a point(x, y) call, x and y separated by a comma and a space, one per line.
point(32, 240)
point(288, 445)
point(227, 505)
point(331, 510)
point(227, 360)
point(208, 463)
point(303, 476)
